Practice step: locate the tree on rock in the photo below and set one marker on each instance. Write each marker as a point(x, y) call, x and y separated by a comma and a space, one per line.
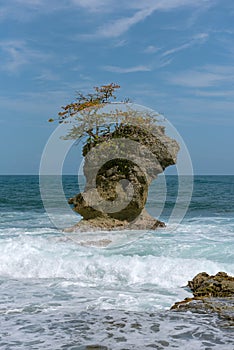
point(124, 149)
point(90, 120)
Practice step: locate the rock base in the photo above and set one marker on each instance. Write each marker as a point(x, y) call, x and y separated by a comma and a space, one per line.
point(104, 223)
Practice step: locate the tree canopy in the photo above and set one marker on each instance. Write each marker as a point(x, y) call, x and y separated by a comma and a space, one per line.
point(101, 95)
point(91, 120)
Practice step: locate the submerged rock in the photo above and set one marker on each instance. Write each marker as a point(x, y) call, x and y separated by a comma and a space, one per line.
point(211, 294)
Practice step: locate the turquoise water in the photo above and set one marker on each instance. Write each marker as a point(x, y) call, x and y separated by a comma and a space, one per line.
point(57, 294)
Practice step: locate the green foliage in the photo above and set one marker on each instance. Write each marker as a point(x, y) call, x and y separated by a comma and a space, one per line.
point(100, 96)
point(93, 121)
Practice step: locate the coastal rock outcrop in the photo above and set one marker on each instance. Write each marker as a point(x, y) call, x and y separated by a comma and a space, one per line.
point(220, 285)
point(210, 294)
point(118, 171)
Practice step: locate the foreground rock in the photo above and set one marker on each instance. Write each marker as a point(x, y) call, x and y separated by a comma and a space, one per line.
point(211, 294)
point(118, 173)
point(220, 285)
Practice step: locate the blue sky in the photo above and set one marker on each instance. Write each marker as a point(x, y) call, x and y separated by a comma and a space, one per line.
point(175, 56)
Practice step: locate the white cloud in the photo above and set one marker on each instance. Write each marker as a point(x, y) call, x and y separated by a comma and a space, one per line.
point(151, 49)
point(17, 54)
point(32, 3)
point(219, 93)
point(47, 102)
point(26, 10)
point(164, 62)
point(207, 76)
point(220, 110)
point(196, 40)
point(47, 75)
point(4, 13)
point(134, 69)
point(177, 49)
point(120, 43)
point(165, 4)
point(117, 27)
point(95, 5)
point(195, 78)
point(112, 5)
point(139, 10)
point(13, 7)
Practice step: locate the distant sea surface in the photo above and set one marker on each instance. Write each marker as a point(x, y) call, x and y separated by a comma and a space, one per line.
point(57, 294)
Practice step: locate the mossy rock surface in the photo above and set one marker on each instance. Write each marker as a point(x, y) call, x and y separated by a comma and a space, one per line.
point(211, 294)
point(219, 285)
point(119, 169)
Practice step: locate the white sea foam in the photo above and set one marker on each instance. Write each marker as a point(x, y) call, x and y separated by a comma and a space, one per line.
point(137, 271)
point(57, 293)
point(149, 272)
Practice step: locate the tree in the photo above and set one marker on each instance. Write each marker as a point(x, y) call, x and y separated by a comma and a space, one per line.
point(91, 121)
point(102, 94)
point(124, 150)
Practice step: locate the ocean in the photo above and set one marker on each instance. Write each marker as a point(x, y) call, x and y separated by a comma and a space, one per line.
point(58, 294)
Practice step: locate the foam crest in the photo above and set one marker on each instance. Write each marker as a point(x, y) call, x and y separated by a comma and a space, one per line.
point(40, 257)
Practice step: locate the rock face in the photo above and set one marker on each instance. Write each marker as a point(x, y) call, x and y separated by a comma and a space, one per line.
point(143, 222)
point(220, 285)
point(118, 170)
point(211, 294)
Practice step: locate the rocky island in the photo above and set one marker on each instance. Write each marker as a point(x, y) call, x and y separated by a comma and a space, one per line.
point(118, 174)
point(125, 148)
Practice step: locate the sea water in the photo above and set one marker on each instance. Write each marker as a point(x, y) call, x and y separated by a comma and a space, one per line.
point(58, 294)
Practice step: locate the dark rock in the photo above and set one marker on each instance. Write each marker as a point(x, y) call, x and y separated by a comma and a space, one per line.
point(220, 285)
point(83, 207)
point(223, 307)
point(211, 294)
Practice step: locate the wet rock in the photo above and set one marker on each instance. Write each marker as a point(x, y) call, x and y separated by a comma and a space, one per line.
point(220, 285)
point(143, 222)
point(211, 294)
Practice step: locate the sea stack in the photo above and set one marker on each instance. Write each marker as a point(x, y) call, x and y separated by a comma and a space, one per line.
point(118, 172)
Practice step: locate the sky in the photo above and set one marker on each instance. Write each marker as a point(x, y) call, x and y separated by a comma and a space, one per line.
point(174, 56)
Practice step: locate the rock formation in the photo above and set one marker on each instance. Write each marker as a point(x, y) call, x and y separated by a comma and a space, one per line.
point(119, 169)
point(210, 294)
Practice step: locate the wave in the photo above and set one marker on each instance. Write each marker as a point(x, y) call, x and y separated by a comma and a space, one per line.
point(157, 274)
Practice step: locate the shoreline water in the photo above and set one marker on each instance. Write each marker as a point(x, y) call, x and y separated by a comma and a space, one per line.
point(57, 294)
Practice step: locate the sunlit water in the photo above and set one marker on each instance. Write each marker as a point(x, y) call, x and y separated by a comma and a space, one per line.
point(57, 294)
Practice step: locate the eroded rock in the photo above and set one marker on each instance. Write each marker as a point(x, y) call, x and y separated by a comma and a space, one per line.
point(143, 222)
point(118, 173)
point(211, 294)
point(220, 285)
